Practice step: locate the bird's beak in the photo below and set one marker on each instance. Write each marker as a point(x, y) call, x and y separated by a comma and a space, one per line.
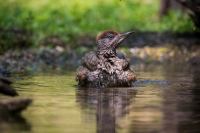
point(119, 38)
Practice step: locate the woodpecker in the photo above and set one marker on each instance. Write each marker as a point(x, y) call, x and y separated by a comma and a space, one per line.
point(105, 67)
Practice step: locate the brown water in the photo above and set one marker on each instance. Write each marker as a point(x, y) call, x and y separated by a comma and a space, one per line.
point(59, 107)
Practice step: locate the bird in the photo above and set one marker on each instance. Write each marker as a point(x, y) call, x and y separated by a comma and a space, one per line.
point(5, 87)
point(105, 67)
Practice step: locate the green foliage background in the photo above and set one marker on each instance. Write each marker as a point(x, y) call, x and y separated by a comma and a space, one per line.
point(69, 19)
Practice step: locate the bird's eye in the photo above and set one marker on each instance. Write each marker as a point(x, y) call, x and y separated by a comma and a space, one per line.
point(110, 37)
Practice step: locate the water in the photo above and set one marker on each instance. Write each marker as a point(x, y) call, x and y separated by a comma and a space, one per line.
point(149, 107)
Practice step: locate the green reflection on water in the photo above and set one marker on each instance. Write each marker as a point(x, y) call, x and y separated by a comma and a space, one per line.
point(58, 106)
point(54, 108)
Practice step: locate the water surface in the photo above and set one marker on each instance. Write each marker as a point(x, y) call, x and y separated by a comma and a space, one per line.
point(60, 107)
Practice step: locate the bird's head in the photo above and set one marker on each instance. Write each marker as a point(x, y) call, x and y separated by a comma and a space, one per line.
point(110, 39)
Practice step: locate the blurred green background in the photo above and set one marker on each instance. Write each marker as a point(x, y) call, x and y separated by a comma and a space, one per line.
point(35, 20)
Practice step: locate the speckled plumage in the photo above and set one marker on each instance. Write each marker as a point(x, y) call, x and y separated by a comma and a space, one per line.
point(106, 68)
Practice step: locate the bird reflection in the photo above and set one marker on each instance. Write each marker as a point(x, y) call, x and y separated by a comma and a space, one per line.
point(13, 122)
point(10, 116)
point(110, 105)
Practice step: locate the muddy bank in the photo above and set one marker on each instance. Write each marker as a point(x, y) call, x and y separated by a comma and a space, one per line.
point(53, 59)
point(152, 39)
point(17, 38)
point(140, 47)
point(167, 54)
point(141, 39)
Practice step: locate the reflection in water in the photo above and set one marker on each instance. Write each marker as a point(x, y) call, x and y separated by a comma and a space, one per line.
point(189, 104)
point(110, 105)
point(173, 108)
point(181, 102)
point(151, 108)
point(13, 122)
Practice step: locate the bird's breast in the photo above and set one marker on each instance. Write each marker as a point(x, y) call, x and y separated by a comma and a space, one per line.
point(106, 54)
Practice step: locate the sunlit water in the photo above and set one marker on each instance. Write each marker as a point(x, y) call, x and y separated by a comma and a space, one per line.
point(59, 107)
